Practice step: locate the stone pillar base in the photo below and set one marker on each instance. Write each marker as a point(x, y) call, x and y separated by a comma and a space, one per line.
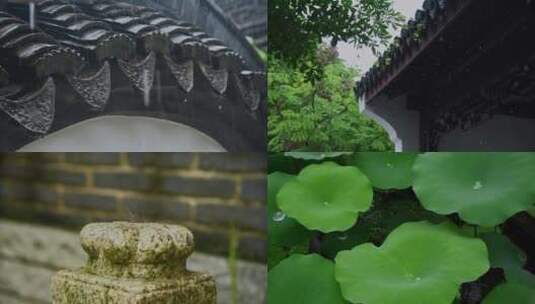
point(78, 287)
point(134, 263)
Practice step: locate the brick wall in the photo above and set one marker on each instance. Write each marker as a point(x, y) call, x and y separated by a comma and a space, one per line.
point(209, 193)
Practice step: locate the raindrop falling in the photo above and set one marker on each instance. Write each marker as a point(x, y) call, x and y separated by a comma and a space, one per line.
point(186, 100)
point(342, 237)
point(418, 278)
point(220, 107)
point(159, 86)
point(32, 15)
point(147, 86)
point(279, 216)
point(326, 203)
point(478, 185)
point(389, 165)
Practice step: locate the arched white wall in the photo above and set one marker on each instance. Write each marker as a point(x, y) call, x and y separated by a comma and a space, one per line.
point(401, 124)
point(398, 143)
point(126, 134)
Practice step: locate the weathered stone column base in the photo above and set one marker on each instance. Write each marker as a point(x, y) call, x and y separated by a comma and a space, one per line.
point(78, 287)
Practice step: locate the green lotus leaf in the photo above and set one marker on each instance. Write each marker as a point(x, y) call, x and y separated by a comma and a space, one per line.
point(315, 155)
point(483, 188)
point(326, 197)
point(511, 293)
point(387, 170)
point(419, 263)
point(304, 279)
point(504, 254)
point(283, 230)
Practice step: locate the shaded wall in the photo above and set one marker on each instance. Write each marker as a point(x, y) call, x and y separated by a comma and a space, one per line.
point(501, 134)
point(209, 193)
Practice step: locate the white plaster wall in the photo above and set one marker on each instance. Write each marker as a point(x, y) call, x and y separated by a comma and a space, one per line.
point(405, 123)
point(501, 133)
point(126, 134)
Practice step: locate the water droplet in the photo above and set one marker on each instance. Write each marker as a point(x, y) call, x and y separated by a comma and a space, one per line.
point(322, 155)
point(342, 237)
point(326, 203)
point(279, 216)
point(220, 108)
point(389, 165)
point(146, 87)
point(32, 15)
point(478, 185)
point(418, 278)
point(185, 100)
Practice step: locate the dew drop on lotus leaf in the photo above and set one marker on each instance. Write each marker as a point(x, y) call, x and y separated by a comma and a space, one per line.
point(342, 237)
point(447, 183)
point(478, 185)
point(279, 216)
point(319, 186)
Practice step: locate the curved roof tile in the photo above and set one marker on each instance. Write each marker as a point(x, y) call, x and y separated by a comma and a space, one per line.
point(84, 46)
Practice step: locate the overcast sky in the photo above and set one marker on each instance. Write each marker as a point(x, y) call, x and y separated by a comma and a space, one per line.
point(364, 58)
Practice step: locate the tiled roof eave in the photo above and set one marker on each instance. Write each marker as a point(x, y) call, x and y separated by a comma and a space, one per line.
point(66, 63)
point(420, 32)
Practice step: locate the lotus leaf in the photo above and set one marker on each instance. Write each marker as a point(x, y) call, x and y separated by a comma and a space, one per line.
point(520, 284)
point(484, 189)
point(326, 197)
point(387, 170)
point(504, 254)
point(419, 263)
point(283, 230)
point(304, 279)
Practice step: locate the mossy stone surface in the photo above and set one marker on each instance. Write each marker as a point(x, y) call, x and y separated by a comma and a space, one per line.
point(134, 263)
point(79, 287)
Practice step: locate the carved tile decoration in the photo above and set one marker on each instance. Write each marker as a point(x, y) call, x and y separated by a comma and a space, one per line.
point(95, 89)
point(183, 72)
point(218, 78)
point(249, 93)
point(34, 111)
point(76, 41)
point(141, 74)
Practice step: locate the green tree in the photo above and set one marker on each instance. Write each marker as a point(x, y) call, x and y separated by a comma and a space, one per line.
point(319, 116)
point(297, 27)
